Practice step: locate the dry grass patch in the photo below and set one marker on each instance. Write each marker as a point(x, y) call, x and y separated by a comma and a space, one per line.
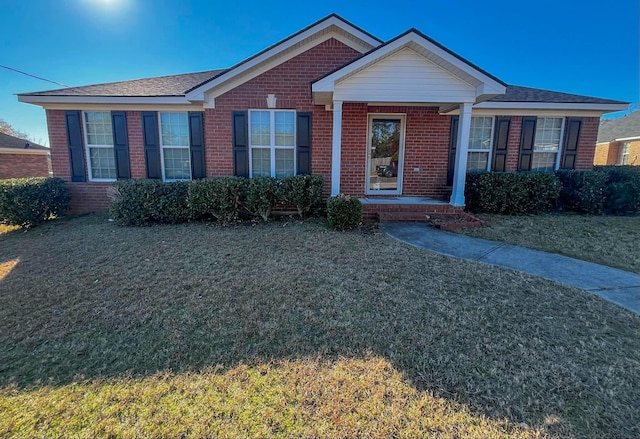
point(606, 240)
point(290, 329)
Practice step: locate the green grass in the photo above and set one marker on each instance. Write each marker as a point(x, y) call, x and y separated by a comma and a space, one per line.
point(606, 240)
point(291, 329)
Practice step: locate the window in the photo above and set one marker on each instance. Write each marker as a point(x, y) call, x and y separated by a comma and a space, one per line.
point(174, 139)
point(272, 140)
point(99, 140)
point(546, 144)
point(624, 153)
point(480, 143)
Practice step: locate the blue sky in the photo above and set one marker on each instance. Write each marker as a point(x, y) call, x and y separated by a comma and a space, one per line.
point(564, 45)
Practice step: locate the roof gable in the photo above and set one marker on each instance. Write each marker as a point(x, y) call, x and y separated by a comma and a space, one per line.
point(622, 128)
point(486, 85)
point(332, 26)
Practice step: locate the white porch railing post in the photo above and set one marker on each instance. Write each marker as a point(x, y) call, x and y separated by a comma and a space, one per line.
point(336, 146)
point(462, 149)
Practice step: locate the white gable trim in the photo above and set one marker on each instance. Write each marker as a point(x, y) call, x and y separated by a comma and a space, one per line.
point(23, 151)
point(353, 37)
point(605, 108)
point(485, 85)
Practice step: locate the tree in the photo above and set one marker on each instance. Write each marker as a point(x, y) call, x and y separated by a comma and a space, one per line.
point(6, 128)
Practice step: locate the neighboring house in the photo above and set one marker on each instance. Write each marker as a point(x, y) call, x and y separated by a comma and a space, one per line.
point(21, 158)
point(373, 118)
point(619, 141)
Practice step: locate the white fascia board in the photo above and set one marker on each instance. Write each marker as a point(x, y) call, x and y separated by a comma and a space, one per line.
point(627, 139)
point(198, 93)
point(43, 100)
point(449, 111)
point(327, 83)
point(605, 108)
point(23, 151)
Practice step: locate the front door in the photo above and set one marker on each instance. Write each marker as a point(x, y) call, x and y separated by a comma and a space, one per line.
point(385, 154)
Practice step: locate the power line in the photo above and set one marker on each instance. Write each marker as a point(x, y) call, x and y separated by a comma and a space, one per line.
point(33, 76)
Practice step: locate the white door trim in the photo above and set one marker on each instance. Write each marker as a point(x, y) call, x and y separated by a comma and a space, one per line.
point(403, 126)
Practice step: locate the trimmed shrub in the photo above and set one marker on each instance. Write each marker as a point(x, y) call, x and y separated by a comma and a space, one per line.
point(303, 191)
point(344, 212)
point(622, 194)
point(26, 202)
point(219, 197)
point(139, 202)
point(512, 193)
point(582, 191)
point(263, 194)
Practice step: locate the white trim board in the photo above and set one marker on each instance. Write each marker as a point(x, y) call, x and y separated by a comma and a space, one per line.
point(23, 151)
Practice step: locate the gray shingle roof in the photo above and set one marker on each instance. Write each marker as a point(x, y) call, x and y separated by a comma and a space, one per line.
point(7, 141)
point(621, 128)
point(173, 85)
point(516, 93)
point(179, 85)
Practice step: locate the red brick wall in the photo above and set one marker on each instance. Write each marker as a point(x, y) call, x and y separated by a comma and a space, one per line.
point(426, 147)
point(291, 83)
point(85, 196)
point(23, 165)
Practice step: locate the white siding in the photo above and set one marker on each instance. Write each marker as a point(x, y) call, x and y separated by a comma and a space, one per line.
point(404, 76)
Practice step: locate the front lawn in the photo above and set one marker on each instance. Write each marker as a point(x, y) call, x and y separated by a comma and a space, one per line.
point(291, 329)
point(607, 240)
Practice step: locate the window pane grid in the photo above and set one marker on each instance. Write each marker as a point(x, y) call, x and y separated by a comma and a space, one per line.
point(102, 163)
point(98, 126)
point(543, 161)
point(480, 133)
point(272, 141)
point(175, 129)
point(477, 161)
point(177, 165)
point(548, 131)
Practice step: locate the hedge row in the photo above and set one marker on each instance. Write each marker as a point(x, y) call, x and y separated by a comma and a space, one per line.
point(27, 202)
point(224, 199)
point(606, 189)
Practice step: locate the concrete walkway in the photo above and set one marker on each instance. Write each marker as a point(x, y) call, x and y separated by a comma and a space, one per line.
point(617, 286)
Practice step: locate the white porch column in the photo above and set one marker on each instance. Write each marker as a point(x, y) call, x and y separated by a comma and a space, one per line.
point(462, 150)
point(336, 145)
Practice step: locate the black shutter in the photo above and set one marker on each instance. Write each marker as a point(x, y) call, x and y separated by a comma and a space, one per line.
point(453, 140)
point(76, 146)
point(570, 147)
point(526, 142)
point(196, 144)
point(303, 135)
point(151, 144)
point(500, 144)
point(121, 144)
point(240, 144)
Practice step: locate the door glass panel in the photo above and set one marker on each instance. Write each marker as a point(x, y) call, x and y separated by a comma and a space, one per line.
point(384, 154)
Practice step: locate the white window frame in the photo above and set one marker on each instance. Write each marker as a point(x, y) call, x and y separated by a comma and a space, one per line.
point(624, 153)
point(272, 140)
point(560, 145)
point(402, 117)
point(87, 147)
point(491, 136)
point(162, 146)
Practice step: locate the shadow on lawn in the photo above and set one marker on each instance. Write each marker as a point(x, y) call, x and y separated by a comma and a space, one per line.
point(90, 300)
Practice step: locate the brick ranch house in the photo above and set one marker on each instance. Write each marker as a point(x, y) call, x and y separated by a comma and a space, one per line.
point(20, 158)
point(378, 120)
point(619, 141)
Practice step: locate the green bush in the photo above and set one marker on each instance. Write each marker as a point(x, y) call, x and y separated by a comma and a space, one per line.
point(303, 191)
point(622, 195)
point(511, 193)
point(139, 202)
point(263, 194)
point(26, 202)
point(582, 191)
point(344, 212)
point(219, 197)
